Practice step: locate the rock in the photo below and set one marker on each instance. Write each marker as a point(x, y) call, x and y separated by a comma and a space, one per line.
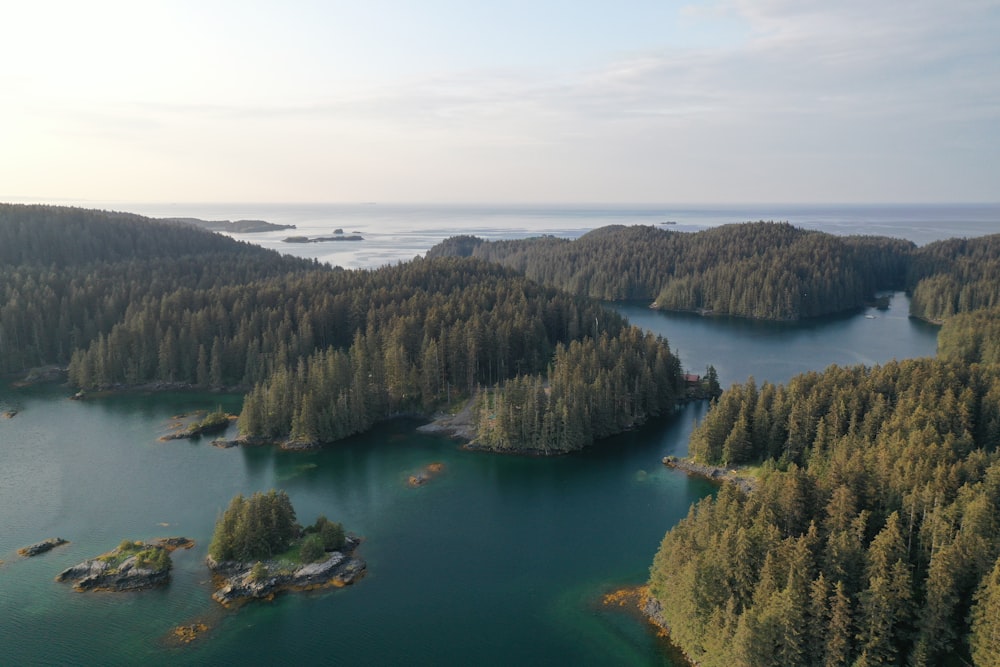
point(42, 547)
point(353, 570)
point(239, 584)
point(714, 473)
point(121, 570)
point(249, 441)
point(316, 572)
point(197, 424)
point(185, 634)
point(222, 443)
point(460, 425)
point(174, 543)
point(84, 570)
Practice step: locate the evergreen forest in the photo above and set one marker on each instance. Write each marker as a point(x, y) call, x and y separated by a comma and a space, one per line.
point(872, 535)
point(760, 270)
point(321, 353)
point(263, 526)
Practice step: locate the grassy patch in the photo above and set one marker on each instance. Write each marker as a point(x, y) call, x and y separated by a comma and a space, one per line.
point(146, 556)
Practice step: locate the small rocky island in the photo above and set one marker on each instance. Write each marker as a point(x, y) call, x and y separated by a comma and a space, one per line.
point(41, 547)
point(322, 239)
point(258, 550)
point(261, 580)
point(131, 566)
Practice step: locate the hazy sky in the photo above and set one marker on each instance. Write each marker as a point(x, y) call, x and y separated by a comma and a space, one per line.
point(501, 101)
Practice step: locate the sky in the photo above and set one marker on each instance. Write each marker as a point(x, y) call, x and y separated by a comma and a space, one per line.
point(506, 101)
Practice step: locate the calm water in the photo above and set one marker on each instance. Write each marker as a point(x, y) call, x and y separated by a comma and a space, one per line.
point(777, 351)
point(397, 232)
point(500, 560)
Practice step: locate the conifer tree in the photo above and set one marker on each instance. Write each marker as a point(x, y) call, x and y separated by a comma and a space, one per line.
point(985, 636)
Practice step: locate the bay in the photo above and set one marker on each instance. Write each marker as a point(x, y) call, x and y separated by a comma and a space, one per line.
point(499, 560)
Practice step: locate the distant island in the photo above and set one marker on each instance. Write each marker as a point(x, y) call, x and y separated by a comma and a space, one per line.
point(338, 236)
point(237, 227)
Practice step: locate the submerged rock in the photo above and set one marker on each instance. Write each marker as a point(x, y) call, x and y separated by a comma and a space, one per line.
point(185, 634)
point(425, 475)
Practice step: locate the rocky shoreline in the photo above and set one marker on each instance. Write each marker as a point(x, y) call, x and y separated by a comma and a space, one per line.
point(240, 582)
point(195, 425)
point(651, 608)
point(716, 473)
point(460, 425)
point(131, 566)
point(42, 375)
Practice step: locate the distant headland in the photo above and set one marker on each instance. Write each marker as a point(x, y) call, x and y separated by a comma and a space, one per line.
point(237, 227)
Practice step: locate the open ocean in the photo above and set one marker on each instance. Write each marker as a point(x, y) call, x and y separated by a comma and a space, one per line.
point(398, 232)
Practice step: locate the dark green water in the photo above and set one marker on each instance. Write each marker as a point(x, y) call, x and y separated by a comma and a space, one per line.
point(499, 560)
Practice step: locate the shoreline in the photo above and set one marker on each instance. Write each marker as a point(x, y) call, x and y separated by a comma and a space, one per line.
point(713, 473)
point(639, 600)
point(235, 583)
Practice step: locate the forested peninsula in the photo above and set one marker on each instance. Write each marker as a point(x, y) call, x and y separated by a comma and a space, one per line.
point(872, 534)
point(322, 353)
point(761, 270)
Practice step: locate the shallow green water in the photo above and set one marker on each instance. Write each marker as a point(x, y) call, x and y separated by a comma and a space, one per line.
point(499, 560)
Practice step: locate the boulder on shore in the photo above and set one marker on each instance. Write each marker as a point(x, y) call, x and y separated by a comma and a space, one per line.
point(41, 547)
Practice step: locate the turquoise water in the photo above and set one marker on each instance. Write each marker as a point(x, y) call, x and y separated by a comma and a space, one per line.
point(498, 560)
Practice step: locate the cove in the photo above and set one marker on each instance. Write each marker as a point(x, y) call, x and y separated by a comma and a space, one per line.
point(497, 560)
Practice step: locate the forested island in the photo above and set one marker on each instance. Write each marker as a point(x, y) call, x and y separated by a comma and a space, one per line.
point(259, 549)
point(322, 353)
point(762, 270)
